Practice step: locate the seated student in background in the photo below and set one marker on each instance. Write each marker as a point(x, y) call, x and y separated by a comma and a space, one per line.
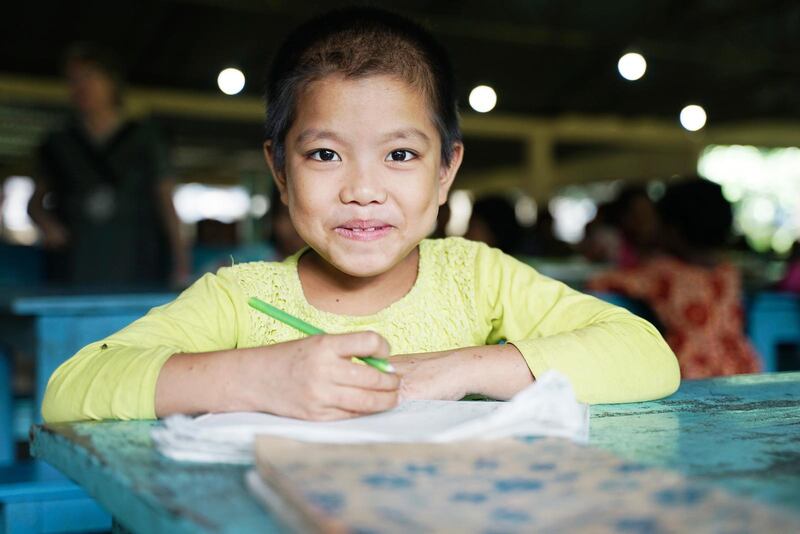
point(363, 140)
point(695, 294)
point(494, 222)
point(791, 278)
point(218, 244)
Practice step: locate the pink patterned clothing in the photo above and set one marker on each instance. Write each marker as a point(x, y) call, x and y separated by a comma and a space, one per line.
point(700, 308)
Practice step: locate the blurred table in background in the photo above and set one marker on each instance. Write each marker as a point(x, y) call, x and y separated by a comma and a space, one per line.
point(51, 326)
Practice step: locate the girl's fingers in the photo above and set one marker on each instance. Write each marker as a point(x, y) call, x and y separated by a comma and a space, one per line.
point(332, 414)
point(359, 344)
point(362, 401)
point(350, 374)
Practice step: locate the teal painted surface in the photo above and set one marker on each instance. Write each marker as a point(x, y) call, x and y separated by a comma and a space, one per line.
point(6, 409)
point(773, 318)
point(52, 327)
point(110, 304)
point(740, 433)
point(35, 497)
point(117, 464)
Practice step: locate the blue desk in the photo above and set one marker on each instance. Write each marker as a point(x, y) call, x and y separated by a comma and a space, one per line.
point(51, 328)
point(740, 434)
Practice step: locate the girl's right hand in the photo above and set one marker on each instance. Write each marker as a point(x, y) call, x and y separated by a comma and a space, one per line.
point(314, 377)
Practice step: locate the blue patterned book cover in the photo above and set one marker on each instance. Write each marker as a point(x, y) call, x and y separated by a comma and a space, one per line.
point(513, 485)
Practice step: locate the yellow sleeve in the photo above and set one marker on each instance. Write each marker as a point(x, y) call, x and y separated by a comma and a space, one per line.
point(115, 378)
point(609, 354)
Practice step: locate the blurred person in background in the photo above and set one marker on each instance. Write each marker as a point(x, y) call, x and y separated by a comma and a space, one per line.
point(541, 239)
point(494, 222)
point(602, 241)
point(791, 278)
point(103, 197)
point(696, 295)
point(635, 217)
point(218, 244)
point(285, 238)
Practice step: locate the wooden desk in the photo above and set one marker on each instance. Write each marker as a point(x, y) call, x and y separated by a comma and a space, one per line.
point(741, 434)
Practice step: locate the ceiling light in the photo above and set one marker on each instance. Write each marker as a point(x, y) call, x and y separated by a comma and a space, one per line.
point(482, 98)
point(693, 117)
point(230, 81)
point(632, 66)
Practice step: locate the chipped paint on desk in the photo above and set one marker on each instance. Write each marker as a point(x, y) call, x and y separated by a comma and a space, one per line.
point(740, 434)
point(117, 464)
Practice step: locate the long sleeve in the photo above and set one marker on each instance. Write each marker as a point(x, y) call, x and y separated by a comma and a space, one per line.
point(115, 378)
point(609, 354)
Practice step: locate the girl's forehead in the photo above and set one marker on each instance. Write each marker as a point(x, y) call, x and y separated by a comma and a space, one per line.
point(372, 102)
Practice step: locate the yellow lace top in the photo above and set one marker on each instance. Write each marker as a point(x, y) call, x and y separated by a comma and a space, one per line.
point(466, 294)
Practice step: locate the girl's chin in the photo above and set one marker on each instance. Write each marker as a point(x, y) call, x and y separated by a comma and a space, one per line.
point(364, 265)
point(362, 269)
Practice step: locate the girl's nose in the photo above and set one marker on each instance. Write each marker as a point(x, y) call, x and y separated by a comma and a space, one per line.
point(363, 186)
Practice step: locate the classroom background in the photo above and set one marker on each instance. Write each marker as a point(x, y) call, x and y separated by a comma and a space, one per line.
point(578, 119)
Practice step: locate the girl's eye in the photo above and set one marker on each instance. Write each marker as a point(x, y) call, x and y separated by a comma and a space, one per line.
point(324, 154)
point(400, 155)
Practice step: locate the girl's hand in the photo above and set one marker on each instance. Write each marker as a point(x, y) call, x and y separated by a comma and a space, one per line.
point(314, 378)
point(431, 375)
point(496, 371)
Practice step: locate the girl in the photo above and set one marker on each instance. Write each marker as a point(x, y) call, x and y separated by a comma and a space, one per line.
point(363, 140)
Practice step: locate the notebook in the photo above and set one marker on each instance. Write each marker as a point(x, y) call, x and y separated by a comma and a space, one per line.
point(546, 408)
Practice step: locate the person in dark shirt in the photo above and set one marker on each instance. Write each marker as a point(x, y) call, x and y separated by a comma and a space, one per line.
point(103, 197)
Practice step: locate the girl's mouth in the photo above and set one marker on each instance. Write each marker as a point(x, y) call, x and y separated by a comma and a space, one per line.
point(363, 230)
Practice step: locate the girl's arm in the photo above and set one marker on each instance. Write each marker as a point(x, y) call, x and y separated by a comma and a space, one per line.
point(184, 358)
point(115, 378)
point(609, 354)
point(310, 378)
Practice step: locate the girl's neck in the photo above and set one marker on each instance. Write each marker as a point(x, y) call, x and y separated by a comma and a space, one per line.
point(330, 290)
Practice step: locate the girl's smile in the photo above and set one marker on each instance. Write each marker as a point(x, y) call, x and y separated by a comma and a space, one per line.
point(361, 230)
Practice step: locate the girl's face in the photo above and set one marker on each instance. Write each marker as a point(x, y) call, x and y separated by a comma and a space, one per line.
point(363, 176)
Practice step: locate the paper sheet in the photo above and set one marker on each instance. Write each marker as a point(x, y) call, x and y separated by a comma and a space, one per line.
point(546, 408)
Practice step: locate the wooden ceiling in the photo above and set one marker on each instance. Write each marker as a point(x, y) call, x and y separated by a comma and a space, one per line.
point(737, 58)
point(545, 58)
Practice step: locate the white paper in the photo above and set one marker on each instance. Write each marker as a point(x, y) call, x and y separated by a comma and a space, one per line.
point(546, 408)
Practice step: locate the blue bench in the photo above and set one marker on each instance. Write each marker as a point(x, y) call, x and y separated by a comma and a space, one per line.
point(33, 496)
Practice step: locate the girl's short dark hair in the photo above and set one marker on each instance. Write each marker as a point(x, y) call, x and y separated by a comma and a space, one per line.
point(356, 43)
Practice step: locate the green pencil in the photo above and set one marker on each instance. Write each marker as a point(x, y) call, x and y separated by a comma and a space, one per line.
point(276, 313)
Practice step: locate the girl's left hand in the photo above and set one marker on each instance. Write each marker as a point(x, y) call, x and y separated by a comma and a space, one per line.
point(430, 375)
point(496, 371)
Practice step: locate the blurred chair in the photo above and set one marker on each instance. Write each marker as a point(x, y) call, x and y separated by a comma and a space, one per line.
point(772, 319)
point(21, 265)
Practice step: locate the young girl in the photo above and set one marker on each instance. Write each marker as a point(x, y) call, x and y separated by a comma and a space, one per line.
point(363, 140)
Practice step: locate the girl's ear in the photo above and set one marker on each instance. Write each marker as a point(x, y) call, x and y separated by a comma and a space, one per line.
point(279, 176)
point(448, 173)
